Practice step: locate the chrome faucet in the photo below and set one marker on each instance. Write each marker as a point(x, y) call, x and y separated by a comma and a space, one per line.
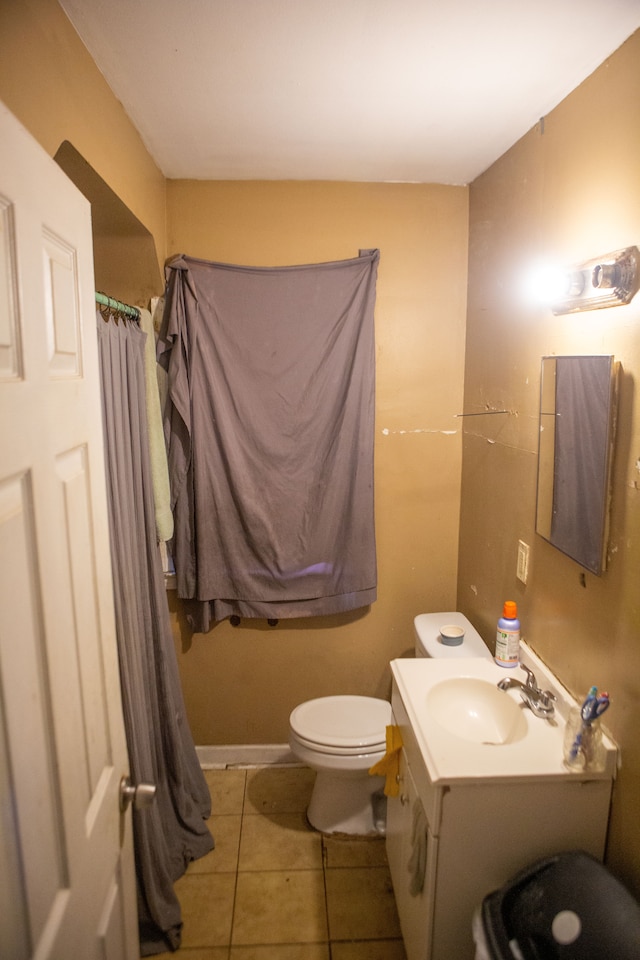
point(540, 701)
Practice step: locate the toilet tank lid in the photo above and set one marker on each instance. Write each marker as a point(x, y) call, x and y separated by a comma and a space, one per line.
point(427, 629)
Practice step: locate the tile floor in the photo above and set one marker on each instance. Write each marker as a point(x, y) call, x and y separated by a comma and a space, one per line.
point(274, 889)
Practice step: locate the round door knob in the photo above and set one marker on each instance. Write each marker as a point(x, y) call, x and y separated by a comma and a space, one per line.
point(141, 795)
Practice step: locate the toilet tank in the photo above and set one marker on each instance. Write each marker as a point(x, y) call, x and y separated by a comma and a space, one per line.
point(428, 642)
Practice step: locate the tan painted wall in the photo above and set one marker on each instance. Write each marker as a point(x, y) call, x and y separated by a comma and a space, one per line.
point(241, 683)
point(49, 81)
point(570, 189)
point(51, 84)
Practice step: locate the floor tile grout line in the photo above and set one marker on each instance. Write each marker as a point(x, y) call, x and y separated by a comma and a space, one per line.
point(325, 859)
point(235, 885)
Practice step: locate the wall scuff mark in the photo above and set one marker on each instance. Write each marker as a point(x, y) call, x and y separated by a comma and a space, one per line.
point(445, 433)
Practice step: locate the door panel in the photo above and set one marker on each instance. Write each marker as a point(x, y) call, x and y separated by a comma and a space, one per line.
point(66, 862)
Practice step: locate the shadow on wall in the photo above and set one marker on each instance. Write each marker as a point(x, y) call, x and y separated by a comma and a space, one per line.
point(333, 621)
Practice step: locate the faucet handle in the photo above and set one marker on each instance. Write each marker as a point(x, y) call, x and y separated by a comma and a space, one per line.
point(531, 677)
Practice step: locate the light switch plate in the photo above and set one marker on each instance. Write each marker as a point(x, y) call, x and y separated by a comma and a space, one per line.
point(522, 570)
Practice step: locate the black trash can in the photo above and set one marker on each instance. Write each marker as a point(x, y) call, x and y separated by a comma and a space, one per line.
point(568, 907)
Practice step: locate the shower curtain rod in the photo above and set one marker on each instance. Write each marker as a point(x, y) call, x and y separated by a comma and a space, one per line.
point(118, 305)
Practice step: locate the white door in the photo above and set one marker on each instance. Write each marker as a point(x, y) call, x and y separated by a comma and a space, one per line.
point(67, 884)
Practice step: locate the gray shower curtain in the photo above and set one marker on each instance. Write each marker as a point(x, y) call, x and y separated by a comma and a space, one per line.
point(172, 831)
point(269, 425)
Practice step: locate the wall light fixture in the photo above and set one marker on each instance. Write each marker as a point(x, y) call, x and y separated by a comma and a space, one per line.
point(607, 281)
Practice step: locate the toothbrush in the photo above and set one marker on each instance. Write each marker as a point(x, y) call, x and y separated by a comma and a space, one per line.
point(597, 708)
point(586, 713)
point(601, 704)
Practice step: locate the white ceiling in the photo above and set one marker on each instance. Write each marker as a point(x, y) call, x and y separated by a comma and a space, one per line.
point(366, 90)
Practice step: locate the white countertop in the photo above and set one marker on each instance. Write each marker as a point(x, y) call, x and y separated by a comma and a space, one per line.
point(536, 750)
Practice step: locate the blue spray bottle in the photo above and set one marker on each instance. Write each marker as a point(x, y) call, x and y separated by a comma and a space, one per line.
point(508, 636)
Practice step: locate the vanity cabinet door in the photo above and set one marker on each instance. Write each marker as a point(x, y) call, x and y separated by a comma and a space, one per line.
point(412, 854)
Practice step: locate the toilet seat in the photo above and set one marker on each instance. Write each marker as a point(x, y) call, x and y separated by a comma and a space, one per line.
point(333, 751)
point(342, 725)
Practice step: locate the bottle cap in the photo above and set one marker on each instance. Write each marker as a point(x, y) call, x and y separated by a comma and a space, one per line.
point(510, 611)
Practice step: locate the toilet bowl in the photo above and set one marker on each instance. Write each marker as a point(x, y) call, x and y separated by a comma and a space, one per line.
point(341, 738)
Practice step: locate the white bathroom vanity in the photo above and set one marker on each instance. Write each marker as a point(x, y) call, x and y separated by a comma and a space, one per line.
point(484, 792)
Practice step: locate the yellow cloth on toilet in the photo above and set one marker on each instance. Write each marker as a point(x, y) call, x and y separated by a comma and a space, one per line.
point(388, 767)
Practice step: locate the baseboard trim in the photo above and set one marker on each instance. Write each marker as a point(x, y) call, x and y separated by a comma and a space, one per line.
point(219, 757)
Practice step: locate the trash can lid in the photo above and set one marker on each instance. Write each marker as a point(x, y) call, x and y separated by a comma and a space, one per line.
point(569, 907)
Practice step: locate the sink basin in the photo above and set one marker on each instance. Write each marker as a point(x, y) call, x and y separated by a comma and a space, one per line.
point(467, 730)
point(476, 710)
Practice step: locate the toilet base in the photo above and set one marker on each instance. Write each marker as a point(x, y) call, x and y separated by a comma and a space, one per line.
point(347, 804)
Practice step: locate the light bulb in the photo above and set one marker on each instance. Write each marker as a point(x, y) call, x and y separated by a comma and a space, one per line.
point(547, 283)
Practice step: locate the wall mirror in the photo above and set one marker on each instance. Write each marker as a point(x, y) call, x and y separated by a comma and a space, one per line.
point(578, 401)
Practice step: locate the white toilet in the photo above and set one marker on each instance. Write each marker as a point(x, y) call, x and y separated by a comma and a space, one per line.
point(342, 737)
